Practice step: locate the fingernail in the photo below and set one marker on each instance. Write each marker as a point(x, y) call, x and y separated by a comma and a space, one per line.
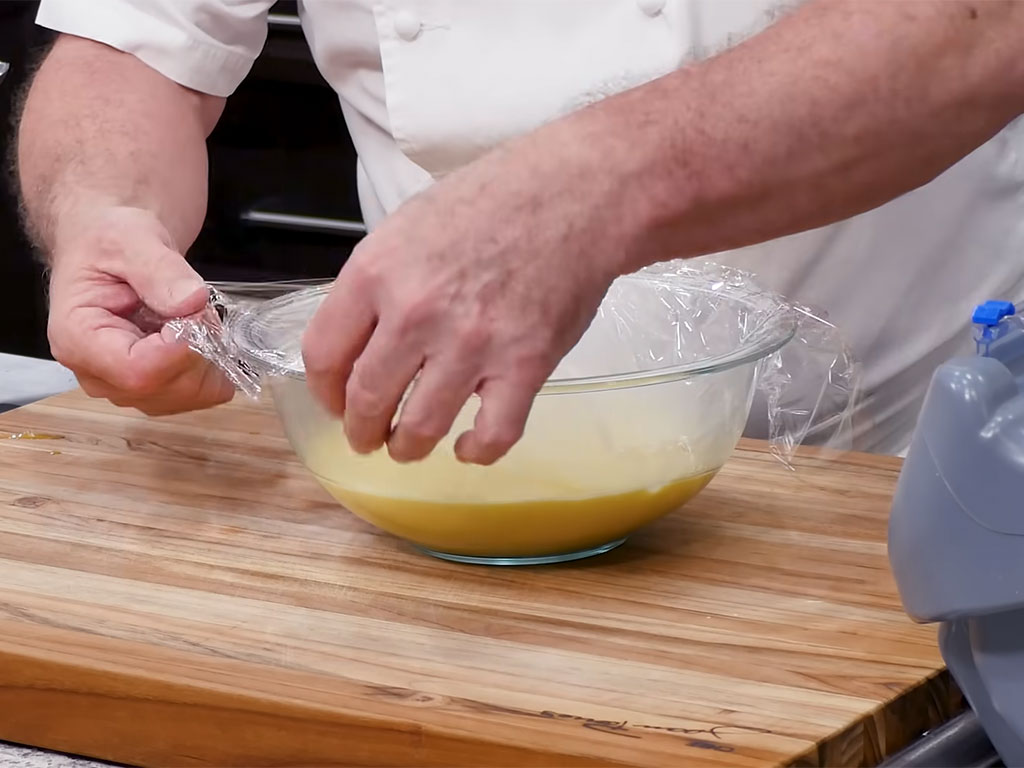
point(184, 289)
point(354, 443)
point(171, 336)
point(461, 447)
point(400, 451)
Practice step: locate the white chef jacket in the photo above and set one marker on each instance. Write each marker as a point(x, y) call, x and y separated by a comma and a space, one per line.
point(428, 85)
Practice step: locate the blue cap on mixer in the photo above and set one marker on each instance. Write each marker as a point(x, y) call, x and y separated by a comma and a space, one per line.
point(992, 312)
point(988, 323)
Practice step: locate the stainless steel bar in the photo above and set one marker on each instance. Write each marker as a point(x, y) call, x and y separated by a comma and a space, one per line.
point(283, 20)
point(303, 223)
point(960, 743)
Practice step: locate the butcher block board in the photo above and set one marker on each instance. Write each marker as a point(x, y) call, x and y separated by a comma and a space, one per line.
point(180, 592)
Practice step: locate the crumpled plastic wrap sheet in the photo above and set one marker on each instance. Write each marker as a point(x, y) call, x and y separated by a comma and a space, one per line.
point(811, 387)
point(205, 332)
point(673, 313)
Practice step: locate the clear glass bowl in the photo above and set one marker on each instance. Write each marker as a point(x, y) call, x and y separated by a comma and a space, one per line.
point(635, 421)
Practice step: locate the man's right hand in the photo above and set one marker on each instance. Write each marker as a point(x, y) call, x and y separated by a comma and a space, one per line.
point(106, 271)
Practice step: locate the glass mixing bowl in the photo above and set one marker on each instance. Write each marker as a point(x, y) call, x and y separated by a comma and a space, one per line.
point(635, 421)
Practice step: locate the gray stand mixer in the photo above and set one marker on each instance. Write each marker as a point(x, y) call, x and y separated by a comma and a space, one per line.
point(956, 533)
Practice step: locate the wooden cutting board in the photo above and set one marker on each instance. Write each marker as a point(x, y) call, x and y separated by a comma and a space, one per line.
point(180, 592)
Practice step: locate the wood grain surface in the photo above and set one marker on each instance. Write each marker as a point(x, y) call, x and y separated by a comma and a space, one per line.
point(180, 592)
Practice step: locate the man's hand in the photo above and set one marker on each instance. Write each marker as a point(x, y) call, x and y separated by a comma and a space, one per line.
point(480, 285)
point(113, 280)
point(112, 163)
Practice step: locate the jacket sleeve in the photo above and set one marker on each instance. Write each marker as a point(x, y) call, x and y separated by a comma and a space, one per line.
point(206, 45)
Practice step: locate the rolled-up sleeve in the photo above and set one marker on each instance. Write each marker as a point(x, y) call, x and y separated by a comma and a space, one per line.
point(207, 45)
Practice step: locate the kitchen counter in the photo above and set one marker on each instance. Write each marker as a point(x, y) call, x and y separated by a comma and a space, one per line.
point(13, 756)
point(181, 591)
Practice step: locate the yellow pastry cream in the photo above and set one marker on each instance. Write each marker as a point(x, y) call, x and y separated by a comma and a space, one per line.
point(520, 507)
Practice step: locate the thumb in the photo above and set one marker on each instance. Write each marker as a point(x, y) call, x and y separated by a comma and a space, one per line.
point(164, 281)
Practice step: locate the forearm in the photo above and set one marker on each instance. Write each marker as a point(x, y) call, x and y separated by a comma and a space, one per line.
point(835, 110)
point(101, 129)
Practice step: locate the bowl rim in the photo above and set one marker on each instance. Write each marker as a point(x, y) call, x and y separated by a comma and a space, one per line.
point(773, 333)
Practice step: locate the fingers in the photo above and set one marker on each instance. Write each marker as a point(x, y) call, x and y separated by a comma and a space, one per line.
point(162, 278)
point(104, 275)
point(499, 424)
point(111, 349)
point(379, 380)
point(198, 387)
point(334, 339)
point(442, 390)
point(360, 366)
point(202, 387)
point(114, 360)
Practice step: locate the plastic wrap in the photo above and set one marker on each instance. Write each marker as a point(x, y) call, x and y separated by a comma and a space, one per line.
point(206, 335)
point(684, 318)
point(809, 389)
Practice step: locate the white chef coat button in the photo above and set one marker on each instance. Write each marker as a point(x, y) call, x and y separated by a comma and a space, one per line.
point(651, 7)
point(407, 26)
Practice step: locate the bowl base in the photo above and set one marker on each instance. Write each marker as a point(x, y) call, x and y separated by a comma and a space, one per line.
point(542, 560)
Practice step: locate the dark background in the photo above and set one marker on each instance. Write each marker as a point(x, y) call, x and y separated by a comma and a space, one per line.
point(280, 148)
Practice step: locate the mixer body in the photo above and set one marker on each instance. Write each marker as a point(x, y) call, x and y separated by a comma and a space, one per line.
point(956, 531)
